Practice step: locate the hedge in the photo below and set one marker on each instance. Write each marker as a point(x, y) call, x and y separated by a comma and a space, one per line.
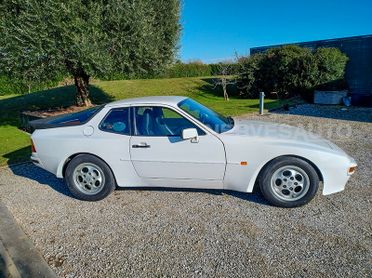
point(193, 69)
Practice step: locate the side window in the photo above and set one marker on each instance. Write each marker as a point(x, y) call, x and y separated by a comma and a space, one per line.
point(161, 121)
point(116, 121)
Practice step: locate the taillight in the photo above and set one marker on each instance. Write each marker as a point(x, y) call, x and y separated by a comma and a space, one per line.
point(33, 147)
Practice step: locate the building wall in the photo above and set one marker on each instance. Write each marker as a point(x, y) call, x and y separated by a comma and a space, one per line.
point(359, 68)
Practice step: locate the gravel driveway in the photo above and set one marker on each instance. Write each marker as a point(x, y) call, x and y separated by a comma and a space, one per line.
point(179, 233)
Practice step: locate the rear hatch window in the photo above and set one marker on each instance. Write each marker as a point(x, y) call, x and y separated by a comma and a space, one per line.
point(70, 119)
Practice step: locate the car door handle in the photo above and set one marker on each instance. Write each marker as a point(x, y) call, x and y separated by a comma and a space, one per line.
point(141, 145)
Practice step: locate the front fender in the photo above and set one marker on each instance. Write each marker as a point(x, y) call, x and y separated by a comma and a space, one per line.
point(332, 164)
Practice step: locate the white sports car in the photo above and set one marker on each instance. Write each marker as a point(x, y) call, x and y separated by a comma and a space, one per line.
point(177, 142)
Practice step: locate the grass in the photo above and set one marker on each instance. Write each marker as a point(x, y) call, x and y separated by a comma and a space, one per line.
point(15, 144)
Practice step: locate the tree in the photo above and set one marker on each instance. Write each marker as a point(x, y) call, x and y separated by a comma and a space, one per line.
point(85, 38)
point(223, 80)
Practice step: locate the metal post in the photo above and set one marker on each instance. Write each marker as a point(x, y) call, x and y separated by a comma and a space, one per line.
point(262, 100)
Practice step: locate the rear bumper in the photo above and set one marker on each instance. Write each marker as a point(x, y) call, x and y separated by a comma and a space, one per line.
point(35, 160)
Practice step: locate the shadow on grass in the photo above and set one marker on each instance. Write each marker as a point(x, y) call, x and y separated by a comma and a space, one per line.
point(210, 90)
point(49, 99)
point(18, 156)
point(217, 91)
point(42, 176)
point(10, 109)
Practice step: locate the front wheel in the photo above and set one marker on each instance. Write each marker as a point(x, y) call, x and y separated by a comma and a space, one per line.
point(89, 178)
point(289, 182)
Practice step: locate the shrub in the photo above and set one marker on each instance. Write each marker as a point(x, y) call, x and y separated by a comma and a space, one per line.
point(331, 64)
point(248, 71)
point(290, 70)
point(334, 85)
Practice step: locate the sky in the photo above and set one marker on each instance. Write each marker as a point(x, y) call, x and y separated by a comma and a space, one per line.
point(214, 30)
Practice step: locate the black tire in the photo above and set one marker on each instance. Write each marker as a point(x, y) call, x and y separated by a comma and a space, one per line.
point(106, 187)
point(275, 195)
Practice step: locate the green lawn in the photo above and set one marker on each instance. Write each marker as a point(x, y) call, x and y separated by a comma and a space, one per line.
point(14, 143)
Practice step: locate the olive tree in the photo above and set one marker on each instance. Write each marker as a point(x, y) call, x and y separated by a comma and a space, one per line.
point(224, 70)
point(41, 39)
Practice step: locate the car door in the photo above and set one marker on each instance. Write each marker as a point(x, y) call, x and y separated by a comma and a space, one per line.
point(159, 153)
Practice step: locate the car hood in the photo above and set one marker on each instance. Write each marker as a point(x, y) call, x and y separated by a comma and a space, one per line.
point(279, 133)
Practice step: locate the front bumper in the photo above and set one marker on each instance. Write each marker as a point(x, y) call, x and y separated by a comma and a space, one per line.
point(337, 176)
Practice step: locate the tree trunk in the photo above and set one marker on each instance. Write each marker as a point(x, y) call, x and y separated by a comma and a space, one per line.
point(224, 88)
point(82, 90)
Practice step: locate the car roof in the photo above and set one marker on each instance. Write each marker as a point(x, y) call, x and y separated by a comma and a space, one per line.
point(170, 100)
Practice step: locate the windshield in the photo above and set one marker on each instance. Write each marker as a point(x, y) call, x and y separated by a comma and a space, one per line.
point(206, 116)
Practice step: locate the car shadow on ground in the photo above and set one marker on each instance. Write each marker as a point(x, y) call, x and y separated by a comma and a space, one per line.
point(255, 197)
point(32, 172)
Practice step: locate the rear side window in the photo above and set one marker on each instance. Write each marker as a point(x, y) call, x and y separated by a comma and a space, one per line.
point(116, 121)
point(77, 118)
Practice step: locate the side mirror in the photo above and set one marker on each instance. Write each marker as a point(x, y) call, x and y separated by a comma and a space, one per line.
point(190, 133)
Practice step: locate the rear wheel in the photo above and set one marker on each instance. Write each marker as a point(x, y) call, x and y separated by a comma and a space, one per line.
point(289, 182)
point(89, 178)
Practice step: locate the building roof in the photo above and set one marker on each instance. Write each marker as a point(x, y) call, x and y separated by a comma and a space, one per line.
point(170, 100)
point(262, 48)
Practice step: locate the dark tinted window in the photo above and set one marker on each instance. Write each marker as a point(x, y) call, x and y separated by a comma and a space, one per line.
point(75, 118)
point(117, 121)
point(161, 121)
